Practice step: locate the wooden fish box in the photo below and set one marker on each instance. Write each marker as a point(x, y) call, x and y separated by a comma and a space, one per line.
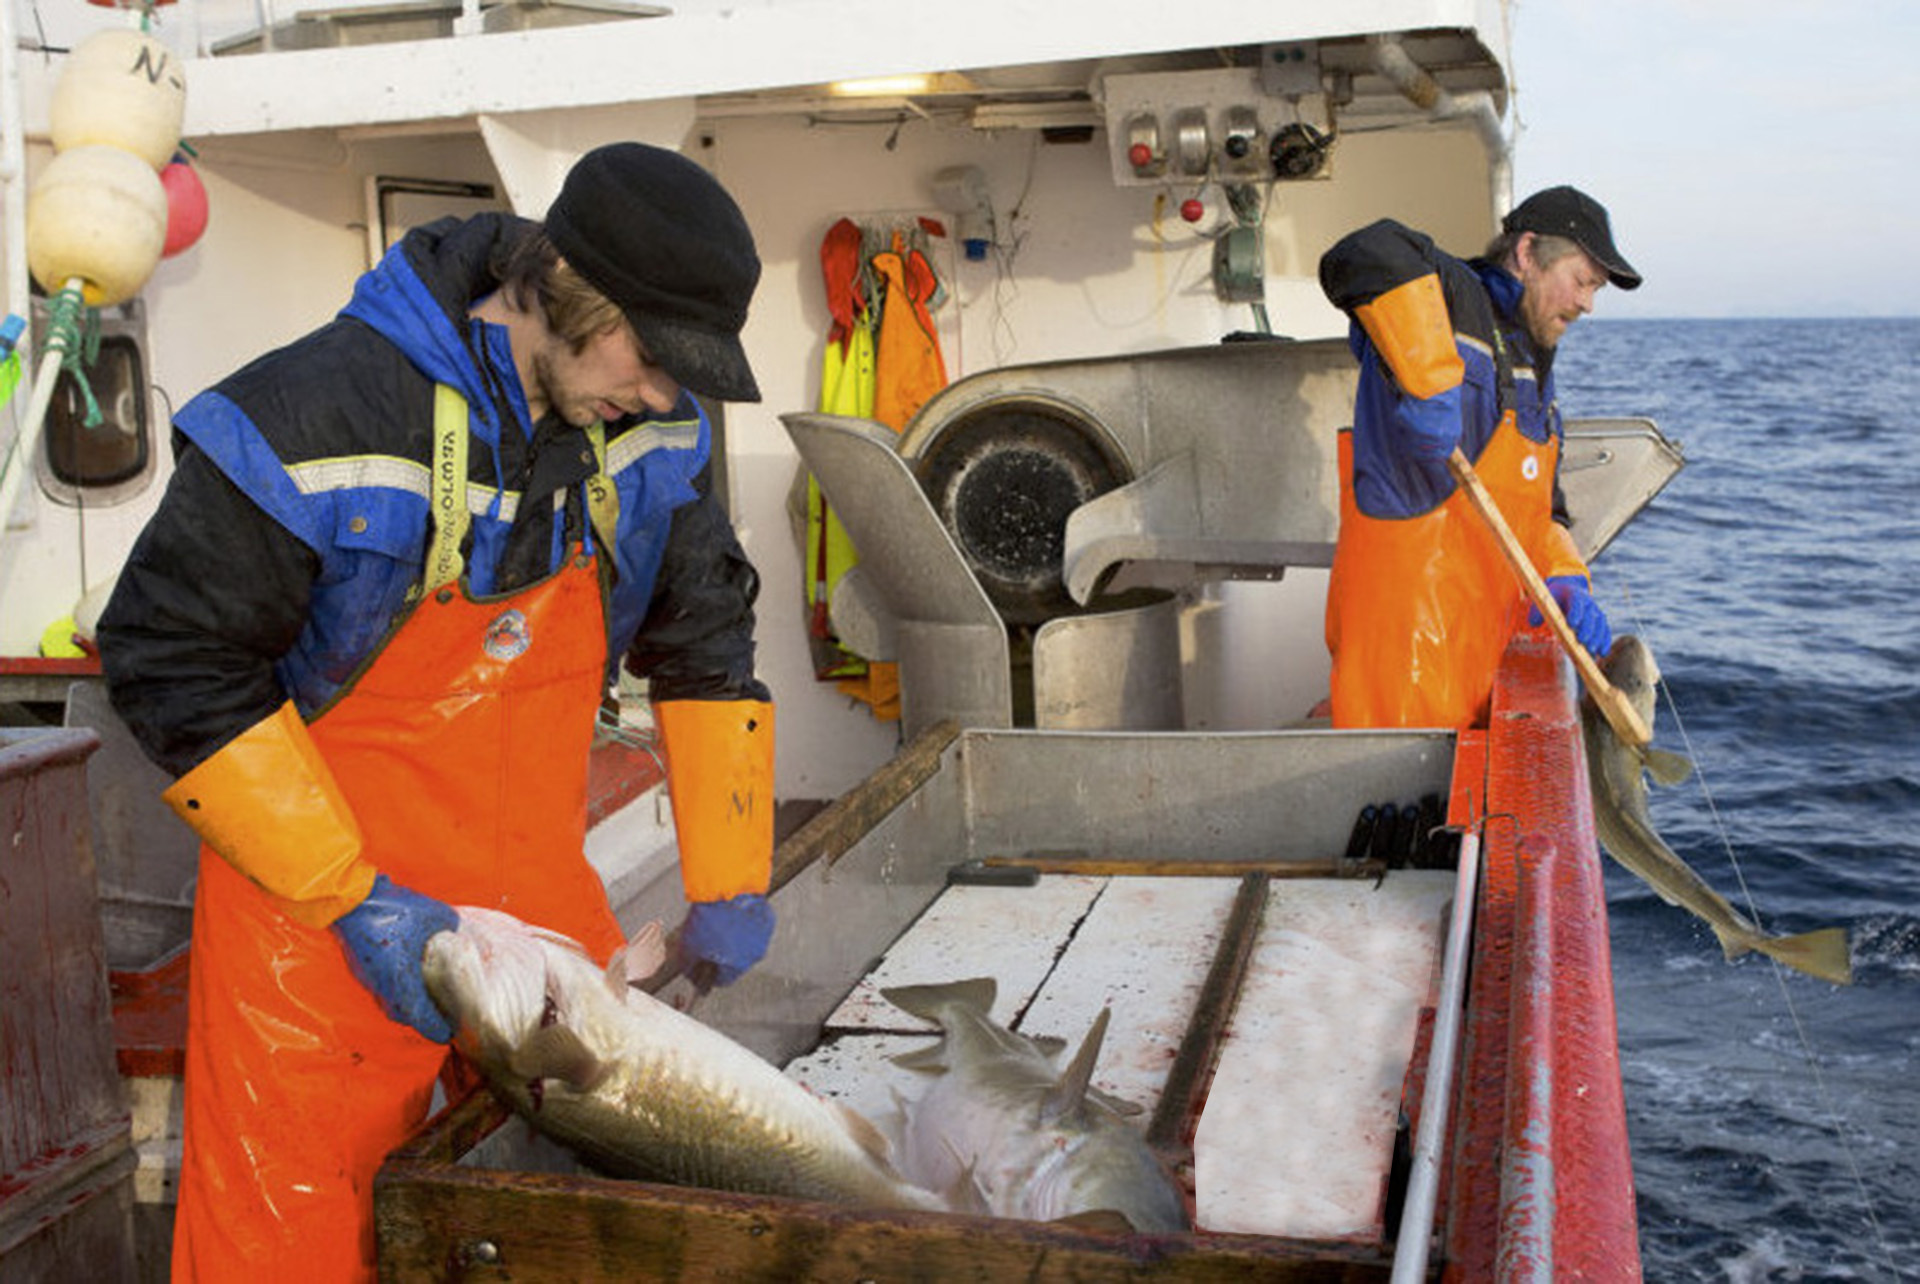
point(445, 1214)
point(66, 1155)
point(478, 1195)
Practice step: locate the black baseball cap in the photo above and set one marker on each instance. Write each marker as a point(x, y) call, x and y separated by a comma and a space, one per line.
point(1570, 212)
point(659, 236)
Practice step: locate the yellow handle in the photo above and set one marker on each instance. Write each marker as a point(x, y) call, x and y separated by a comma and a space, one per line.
point(1620, 714)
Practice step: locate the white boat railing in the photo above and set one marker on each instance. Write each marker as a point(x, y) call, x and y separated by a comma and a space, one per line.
point(1423, 1183)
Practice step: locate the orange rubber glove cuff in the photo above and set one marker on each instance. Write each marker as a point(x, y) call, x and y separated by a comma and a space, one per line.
point(1559, 555)
point(720, 778)
point(1410, 328)
point(268, 804)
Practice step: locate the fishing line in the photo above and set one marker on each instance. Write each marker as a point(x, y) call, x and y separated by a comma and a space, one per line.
point(1779, 969)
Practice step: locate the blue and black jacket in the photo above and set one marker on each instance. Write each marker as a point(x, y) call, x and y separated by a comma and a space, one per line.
point(1400, 441)
point(296, 524)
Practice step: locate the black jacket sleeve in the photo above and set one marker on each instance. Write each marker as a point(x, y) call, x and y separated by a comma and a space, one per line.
point(213, 593)
point(1365, 264)
point(697, 640)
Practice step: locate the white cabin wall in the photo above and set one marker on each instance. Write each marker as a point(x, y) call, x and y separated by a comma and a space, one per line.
point(284, 242)
point(1092, 274)
point(1086, 269)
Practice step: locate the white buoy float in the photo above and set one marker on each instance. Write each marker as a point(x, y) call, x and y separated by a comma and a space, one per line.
point(97, 213)
point(120, 88)
point(100, 214)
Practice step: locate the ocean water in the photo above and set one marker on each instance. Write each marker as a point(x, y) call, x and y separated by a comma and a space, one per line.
point(1775, 1120)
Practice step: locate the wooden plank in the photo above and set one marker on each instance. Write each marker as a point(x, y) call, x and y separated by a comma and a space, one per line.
point(1143, 949)
point(845, 821)
point(1103, 867)
point(1192, 1070)
point(1061, 950)
point(1297, 1133)
point(436, 1223)
point(1009, 933)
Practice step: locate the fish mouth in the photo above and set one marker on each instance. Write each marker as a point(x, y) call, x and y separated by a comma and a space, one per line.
point(479, 978)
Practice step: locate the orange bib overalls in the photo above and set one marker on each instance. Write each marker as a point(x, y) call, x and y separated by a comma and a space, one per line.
point(462, 749)
point(1420, 608)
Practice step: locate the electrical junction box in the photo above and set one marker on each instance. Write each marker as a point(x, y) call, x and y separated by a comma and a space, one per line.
point(1191, 127)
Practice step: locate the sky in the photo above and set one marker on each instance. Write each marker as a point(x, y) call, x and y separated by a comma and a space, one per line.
point(1758, 157)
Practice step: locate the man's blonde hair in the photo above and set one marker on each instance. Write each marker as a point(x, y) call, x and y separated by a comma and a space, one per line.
point(533, 273)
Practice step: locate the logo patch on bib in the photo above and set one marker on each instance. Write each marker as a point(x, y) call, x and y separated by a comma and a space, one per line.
point(508, 637)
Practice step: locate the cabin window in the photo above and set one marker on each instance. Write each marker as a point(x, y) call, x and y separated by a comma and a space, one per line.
point(110, 461)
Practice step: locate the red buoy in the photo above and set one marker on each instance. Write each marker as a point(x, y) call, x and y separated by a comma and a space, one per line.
point(186, 206)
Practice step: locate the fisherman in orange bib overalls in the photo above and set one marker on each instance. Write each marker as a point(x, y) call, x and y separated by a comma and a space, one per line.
point(370, 628)
point(1454, 353)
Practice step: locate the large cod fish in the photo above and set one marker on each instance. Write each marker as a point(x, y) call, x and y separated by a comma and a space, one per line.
point(1616, 772)
point(635, 1087)
point(1034, 1142)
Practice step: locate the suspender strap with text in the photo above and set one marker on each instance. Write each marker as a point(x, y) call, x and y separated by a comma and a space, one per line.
point(450, 517)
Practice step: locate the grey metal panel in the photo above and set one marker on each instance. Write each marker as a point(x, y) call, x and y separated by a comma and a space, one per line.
point(1126, 795)
point(1114, 669)
point(1284, 795)
point(952, 645)
point(1609, 470)
point(837, 918)
point(1233, 447)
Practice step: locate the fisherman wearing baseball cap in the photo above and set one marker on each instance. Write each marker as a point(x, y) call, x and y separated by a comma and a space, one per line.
point(370, 629)
point(1453, 354)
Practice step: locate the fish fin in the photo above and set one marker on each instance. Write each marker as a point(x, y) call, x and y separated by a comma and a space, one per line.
point(1104, 1221)
point(1051, 1045)
point(965, 1194)
point(931, 1059)
point(864, 1132)
point(925, 1001)
point(1665, 766)
point(1070, 1093)
point(636, 962)
point(556, 1052)
point(1823, 953)
point(1119, 1105)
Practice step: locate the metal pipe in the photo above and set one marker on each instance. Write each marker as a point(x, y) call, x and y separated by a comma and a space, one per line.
point(1423, 1183)
point(13, 177)
point(1391, 60)
point(19, 458)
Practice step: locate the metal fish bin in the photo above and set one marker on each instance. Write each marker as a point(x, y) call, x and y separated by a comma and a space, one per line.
point(1270, 987)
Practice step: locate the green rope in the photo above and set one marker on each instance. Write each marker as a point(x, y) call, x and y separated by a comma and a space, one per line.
point(76, 328)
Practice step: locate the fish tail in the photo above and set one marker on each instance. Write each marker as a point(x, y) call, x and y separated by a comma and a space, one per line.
point(1823, 953)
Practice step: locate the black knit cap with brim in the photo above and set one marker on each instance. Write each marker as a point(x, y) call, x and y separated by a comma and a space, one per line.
point(1570, 212)
point(659, 236)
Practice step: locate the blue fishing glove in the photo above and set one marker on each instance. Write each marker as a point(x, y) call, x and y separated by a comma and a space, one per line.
point(730, 935)
point(385, 937)
point(1584, 616)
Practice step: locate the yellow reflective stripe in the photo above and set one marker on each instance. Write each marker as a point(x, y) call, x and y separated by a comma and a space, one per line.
point(450, 516)
point(603, 501)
